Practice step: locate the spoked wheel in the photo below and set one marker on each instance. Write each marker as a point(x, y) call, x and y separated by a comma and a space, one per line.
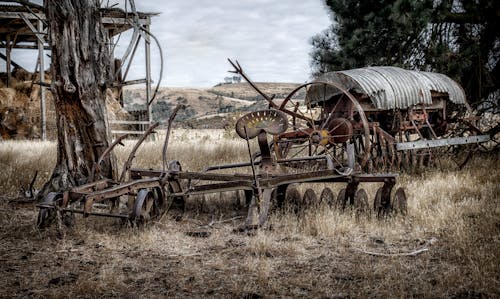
point(148, 206)
point(47, 210)
point(324, 119)
point(399, 202)
point(457, 156)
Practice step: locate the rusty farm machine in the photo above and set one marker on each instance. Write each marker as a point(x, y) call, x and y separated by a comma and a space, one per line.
point(396, 119)
point(351, 127)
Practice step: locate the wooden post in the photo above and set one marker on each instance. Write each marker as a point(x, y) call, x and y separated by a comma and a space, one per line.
point(8, 48)
point(43, 120)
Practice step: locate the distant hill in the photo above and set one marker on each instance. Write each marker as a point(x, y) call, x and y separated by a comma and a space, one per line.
point(214, 107)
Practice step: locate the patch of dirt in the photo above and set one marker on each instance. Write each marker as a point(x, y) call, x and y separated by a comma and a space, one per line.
point(103, 258)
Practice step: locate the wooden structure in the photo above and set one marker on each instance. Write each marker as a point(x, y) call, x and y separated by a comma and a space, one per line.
point(25, 27)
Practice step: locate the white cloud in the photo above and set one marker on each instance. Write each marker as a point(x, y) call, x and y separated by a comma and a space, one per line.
point(269, 38)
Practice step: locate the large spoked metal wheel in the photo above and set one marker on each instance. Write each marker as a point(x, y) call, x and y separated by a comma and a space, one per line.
point(324, 118)
point(148, 206)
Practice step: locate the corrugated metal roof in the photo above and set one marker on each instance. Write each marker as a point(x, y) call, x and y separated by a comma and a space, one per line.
point(392, 87)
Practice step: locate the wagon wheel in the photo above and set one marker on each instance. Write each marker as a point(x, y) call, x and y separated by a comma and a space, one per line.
point(323, 119)
point(147, 206)
point(327, 197)
point(310, 199)
point(399, 201)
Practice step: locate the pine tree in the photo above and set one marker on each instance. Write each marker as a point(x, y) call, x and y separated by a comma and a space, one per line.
point(457, 37)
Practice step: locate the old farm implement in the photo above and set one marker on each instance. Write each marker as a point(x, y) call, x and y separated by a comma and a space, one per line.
point(347, 127)
point(147, 194)
point(395, 119)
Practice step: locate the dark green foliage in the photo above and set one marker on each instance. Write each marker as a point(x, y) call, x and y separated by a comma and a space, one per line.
point(459, 38)
point(370, 32)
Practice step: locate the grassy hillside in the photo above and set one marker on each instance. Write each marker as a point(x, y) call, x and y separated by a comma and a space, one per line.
point(208, 107)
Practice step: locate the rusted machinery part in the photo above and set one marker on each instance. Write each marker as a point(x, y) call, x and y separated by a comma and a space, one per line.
point(361, 201)
point(273, 122)
point(167, 137)
point(265, 205)
point(47, 208)
point(97, 166)
point(147, 206)
point(399, 202)
point(323, 132)
point(382, 201)
point(341, 199)
point(239, 70)
point(327, 197)
point(131, 156)
point(460, 155)
point(293, 199)
point(309, 200)
point(179, 202)
point(377, 201)
point(383, 157)
point(258, 209)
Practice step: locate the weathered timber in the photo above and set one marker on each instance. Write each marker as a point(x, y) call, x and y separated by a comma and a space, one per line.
point(81, 70)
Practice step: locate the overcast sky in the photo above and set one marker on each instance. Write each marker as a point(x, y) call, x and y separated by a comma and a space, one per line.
point(270, 39)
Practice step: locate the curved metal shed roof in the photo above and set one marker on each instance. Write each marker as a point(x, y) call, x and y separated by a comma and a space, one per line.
point(391, 87)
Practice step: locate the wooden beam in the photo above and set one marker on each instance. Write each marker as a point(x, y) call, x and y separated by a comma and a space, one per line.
point(26, 47)
point(130, 82)
point(11, 61)
point(15, 15)
point(43, 119)
point(38, 33)
point(125, 21)
point(7, 61)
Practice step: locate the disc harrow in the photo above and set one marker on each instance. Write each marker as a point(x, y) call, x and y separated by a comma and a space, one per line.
point(271, 180)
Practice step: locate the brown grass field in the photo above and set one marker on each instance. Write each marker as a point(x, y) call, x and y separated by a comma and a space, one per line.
point(448, 246)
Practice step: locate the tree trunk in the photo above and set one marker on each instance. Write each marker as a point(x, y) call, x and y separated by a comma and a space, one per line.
point(81, 72)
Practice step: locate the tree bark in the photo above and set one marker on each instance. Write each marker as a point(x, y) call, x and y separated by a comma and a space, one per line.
point(81, 69)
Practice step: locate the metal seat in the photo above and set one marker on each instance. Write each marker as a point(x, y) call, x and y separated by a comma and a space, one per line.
point(250, 125)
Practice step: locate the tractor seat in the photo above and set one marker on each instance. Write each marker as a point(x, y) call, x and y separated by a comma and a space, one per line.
point(273, 122)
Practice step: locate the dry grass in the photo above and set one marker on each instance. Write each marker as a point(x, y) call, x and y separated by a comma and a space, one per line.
point(455, 214)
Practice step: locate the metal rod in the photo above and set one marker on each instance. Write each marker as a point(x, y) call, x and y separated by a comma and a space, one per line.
point(147, 46)
point(167, 137)
point(96, 214)
point(250, 155)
